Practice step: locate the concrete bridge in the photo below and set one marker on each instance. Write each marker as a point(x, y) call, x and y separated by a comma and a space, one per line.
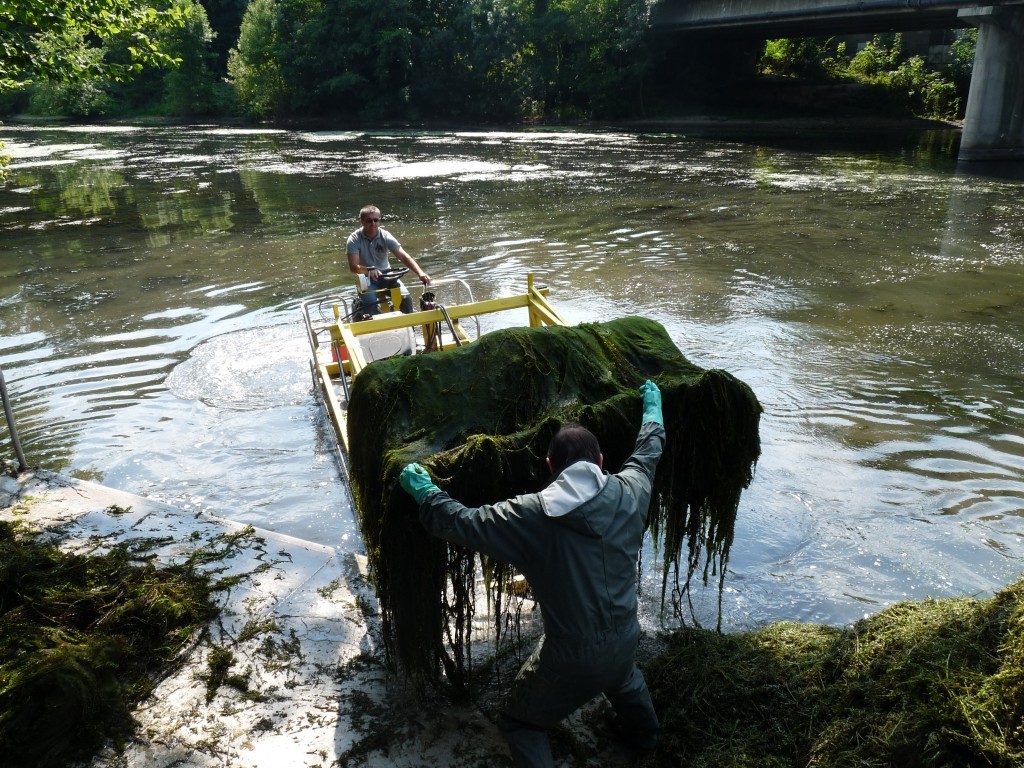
point(994, 120)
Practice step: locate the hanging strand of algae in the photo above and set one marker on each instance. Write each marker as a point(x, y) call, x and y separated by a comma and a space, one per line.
point(479, 418)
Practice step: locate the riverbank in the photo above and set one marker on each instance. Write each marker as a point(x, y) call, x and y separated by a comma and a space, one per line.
point(713, 123)
point(937, 682)
point(304, 683)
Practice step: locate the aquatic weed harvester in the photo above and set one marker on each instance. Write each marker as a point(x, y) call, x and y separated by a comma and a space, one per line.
point(478, 411)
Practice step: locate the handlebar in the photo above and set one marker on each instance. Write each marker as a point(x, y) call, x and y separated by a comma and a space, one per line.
point(392, 273)
point(390, 277)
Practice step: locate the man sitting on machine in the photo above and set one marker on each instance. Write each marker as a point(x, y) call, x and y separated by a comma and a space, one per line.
point(368, 249)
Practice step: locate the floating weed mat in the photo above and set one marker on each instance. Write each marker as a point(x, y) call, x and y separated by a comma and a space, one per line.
point(480, 418)
point(83, 638)
point(932, 683)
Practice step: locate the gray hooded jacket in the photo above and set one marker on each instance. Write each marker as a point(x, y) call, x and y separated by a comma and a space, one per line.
point(576, 542)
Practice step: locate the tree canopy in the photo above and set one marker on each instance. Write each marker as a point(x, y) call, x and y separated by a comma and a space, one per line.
point(62, 40)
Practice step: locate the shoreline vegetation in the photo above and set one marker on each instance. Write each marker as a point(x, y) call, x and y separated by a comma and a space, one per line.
point(466, 61)
point(921, 683)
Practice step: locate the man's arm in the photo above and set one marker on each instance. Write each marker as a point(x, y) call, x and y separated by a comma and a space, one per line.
point(496, 530)
point(410, 262)
point(651, 439)
point(355, 267)
point(647, 452)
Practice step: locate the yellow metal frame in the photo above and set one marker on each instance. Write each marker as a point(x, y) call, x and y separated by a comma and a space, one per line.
point(344, 334)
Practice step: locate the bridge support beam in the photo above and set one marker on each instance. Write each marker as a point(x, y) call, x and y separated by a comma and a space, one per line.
point(994, 121)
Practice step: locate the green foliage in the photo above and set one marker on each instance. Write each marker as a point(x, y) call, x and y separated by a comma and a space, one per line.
point(921, 90)
point(79, 97)
point(41, 39)
point(880, 55)
point(480, 418)
point(178, 82)
point(253, 67)
point(86, 98)
point(926, 92)
point(807, 57)
point(350, 57)
point(225, 17)
point(962, 51)
point(473, 63)
point(188, 87)
point(904, 84)
point(454, 59)
point(590, 56)
point(935, 683)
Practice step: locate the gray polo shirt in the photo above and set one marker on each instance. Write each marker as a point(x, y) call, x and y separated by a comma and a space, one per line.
point(373, 253)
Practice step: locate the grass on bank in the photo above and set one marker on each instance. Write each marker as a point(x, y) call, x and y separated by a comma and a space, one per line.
point(932, 683)
point(85, 637)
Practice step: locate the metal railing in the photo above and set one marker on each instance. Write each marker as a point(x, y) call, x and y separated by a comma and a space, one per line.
point(22, 464)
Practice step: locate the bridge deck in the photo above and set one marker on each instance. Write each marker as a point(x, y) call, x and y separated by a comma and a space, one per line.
point(785, 18)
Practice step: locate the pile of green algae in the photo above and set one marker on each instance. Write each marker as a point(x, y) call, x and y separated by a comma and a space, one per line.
point(480, 418)
point(85, 637)
point(936, 683)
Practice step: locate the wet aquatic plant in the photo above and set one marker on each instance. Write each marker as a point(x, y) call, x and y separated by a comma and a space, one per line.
point(83, 638)
point(480, 418)
point(931, 683)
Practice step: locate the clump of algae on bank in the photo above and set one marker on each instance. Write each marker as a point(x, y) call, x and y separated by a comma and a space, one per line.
point(83, 637)
point(932, 683)
point(480, 419)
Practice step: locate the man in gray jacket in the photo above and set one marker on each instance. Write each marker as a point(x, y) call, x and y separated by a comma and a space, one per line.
point(577, 543)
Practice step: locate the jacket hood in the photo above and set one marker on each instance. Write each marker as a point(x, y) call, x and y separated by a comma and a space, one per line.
point(575, 486)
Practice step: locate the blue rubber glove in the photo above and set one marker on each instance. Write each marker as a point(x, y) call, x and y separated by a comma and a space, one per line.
point(652, 403)
point(415, 481)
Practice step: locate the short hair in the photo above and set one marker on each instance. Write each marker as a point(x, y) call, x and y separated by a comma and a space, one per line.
point(572, 443)
point(367, 209)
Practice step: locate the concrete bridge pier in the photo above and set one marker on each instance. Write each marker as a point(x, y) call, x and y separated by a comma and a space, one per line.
point(994, 121)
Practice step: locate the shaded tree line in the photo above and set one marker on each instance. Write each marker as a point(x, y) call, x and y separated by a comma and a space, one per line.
point(410, 60)
point(454, 59)
point(366, 60)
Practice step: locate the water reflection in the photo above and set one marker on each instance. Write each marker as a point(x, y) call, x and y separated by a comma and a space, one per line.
point(150, 279)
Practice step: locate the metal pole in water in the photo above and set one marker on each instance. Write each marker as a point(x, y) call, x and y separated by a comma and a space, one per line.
point(22, 464)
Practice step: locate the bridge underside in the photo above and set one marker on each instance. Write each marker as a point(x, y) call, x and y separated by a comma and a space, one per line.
point(994, 122)
point(806, 18)
point(774, 24)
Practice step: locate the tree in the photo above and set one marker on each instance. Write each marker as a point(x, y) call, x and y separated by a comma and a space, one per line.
point(469, 61)
point(188, 88)
point(78, 97)
point(254, 67)
point(352, 57)
point(44, 39)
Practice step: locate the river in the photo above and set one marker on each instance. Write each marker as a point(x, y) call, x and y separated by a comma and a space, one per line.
point(873, 298)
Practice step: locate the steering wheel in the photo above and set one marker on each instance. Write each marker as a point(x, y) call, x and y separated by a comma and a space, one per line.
point(389, 277)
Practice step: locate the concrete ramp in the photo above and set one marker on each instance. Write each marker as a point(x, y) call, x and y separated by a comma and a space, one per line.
point(311, 688)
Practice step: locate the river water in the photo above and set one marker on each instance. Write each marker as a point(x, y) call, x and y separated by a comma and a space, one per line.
point(150, 279)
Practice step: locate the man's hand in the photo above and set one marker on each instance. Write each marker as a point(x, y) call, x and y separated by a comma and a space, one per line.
point(652, 403)
point(415, 481)
point(425, 279)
